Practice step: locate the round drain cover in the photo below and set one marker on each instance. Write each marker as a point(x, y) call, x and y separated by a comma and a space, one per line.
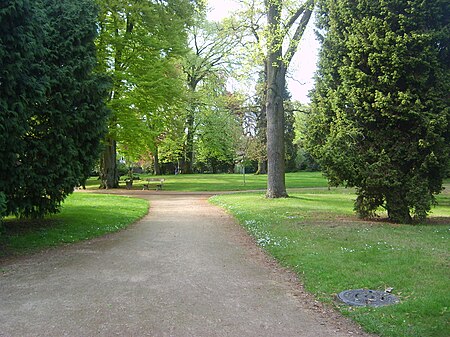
point(363, 297)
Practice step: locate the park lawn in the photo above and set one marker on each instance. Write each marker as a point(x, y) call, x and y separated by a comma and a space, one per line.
point(83, 216)
point(223, 182)
point(316, 234)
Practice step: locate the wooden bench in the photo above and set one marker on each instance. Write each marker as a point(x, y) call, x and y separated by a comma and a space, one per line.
point(159, 183)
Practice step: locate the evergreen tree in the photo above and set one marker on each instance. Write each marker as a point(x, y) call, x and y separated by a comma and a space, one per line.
point(52, 104)
point(21, 48)
point(381, 110)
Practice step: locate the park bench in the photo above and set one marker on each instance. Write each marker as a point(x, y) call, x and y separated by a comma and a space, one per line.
point(159, 183)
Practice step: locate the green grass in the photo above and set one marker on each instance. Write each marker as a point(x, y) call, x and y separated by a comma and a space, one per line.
point(83, 216)
point(315, 233)
point(224, 182)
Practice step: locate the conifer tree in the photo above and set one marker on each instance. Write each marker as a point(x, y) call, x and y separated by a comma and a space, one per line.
point(381, 112)
point(52, 110)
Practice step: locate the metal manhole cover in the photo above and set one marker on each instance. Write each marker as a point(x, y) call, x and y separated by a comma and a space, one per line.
point(363, 297)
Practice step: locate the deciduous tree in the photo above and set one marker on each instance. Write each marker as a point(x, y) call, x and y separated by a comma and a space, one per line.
point(212, 44)
point(140, 45)
point(278, 60)
point(274, 45)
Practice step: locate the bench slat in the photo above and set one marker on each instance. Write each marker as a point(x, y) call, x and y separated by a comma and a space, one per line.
point(150, 180)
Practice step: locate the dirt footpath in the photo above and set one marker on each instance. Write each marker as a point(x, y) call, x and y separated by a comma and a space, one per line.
point(186, 269)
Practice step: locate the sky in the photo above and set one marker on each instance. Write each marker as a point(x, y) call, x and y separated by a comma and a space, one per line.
point(303, 65)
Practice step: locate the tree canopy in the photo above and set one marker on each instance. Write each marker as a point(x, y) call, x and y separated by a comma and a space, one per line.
point(380, 114)
point(206, 67)
point(140, 45)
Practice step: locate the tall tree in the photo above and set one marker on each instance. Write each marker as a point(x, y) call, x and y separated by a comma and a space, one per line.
point(211, 45)
point(140, 45)
point(272, 49)
point(53, 113)
point(21, 50)
point(218, 129)
point(381, 113)
point(277, 61)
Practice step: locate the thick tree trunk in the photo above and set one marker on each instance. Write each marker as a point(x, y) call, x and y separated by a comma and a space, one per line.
point(156, 167)
point(109, 176)
point(276, 81)
point(276, 187)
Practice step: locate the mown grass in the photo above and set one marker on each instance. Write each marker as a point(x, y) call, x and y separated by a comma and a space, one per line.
point(223, 182)
point(316, 234)
point(83, 216)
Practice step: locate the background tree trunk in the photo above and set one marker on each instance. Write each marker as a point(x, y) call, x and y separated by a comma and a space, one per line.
point(156, 167)
point(262, 167)
point(109, 176)
point(189, 146)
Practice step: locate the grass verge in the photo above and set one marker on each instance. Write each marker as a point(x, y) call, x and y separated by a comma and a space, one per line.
point(315, 233)
point(223, 182)
point(83, 216)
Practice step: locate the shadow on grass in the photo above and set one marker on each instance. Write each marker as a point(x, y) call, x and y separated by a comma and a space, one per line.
point(24, 226)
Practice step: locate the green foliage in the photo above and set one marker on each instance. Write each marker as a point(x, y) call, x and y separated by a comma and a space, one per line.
point(304, 160)
point(290, 147)
point(140, 45)
point(218, 129)
point(52, 113)
point(206, 67)
point(381, 115)
point(218, 136)
point(315, 234)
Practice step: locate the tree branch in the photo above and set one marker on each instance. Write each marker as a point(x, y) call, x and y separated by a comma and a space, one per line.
point(295, 16)
point(293, 45)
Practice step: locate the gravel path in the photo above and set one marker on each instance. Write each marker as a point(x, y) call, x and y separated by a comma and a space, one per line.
point(186, 269)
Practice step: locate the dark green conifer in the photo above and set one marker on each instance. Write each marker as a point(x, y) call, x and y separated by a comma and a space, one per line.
point(381, 112)
point(52, 110)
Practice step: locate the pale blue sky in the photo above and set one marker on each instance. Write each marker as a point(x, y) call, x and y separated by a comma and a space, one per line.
point(303, 65)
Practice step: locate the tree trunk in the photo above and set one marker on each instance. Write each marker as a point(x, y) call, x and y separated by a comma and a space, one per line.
point(262, 167)
point(156, 167)
point(276, 81)
point(189, 146)
point(397, 208)
point(109, 176)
